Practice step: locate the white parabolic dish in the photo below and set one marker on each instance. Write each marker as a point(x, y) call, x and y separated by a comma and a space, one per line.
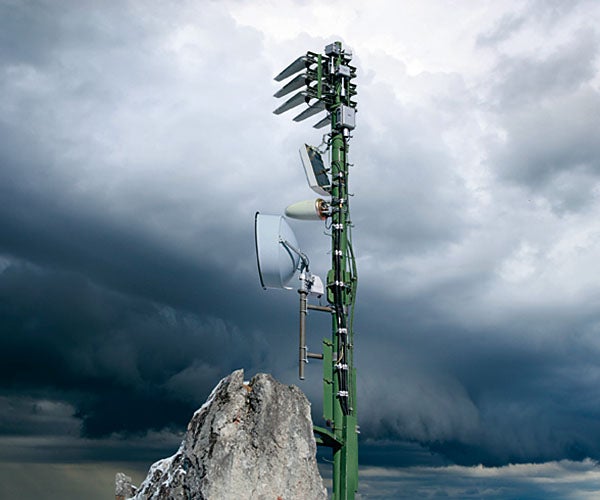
point(276, 263)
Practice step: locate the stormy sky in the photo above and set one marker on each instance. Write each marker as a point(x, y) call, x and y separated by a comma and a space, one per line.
point(137, 142)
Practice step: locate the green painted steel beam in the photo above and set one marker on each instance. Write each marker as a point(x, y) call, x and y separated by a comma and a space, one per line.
point(325, 437)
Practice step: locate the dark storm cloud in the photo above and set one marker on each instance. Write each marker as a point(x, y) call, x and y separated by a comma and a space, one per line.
point(69, 339)
point(516, 392)
point(135, 147)
point(91, 187)
point(84, 355)
point(118, 317)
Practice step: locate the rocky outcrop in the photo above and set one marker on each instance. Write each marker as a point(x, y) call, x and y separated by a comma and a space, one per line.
point(248, 441)
point(123, 487)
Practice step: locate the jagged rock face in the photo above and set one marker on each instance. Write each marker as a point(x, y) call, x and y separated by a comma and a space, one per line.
point(251, 441)
point(123, 487)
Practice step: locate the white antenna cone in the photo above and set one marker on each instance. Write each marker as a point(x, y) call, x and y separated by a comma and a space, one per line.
point(308, 210)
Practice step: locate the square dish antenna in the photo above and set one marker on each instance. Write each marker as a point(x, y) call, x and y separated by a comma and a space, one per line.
point(314, 168)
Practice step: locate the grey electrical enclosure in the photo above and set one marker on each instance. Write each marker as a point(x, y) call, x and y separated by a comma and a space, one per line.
point(345, 117)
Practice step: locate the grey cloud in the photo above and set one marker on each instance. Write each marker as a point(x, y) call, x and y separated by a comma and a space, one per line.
point(502, 30)
point(41, 25)
point(26, 416)
point(547, 110)
point(552, 13)
point(523, 81)
point(546, 15)
point(404, 180)
point(113, 157)
point(554, 480)
point(552, 152)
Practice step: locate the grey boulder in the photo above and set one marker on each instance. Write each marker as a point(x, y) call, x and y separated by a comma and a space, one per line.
point(248, 441)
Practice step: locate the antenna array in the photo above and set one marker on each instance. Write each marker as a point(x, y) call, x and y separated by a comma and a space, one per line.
point(324, 83)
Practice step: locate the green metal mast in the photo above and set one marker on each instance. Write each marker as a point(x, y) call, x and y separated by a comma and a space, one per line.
point(327, 82)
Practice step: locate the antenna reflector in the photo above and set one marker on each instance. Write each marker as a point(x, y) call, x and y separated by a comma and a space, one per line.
point(276, 262)
point(317, 107)
point(298, 65)
point(314, 168)
point(292, 102)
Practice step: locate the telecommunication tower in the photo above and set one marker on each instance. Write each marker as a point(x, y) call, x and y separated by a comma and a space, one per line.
point(324, 82)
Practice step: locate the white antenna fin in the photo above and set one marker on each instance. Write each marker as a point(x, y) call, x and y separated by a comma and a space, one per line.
point(298, 65)
point(312, 110)
point(292, 102)
point(323, 122)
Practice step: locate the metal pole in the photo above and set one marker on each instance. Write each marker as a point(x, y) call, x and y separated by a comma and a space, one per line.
point(302, 360)
point(320, 308)
point(345, 459)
